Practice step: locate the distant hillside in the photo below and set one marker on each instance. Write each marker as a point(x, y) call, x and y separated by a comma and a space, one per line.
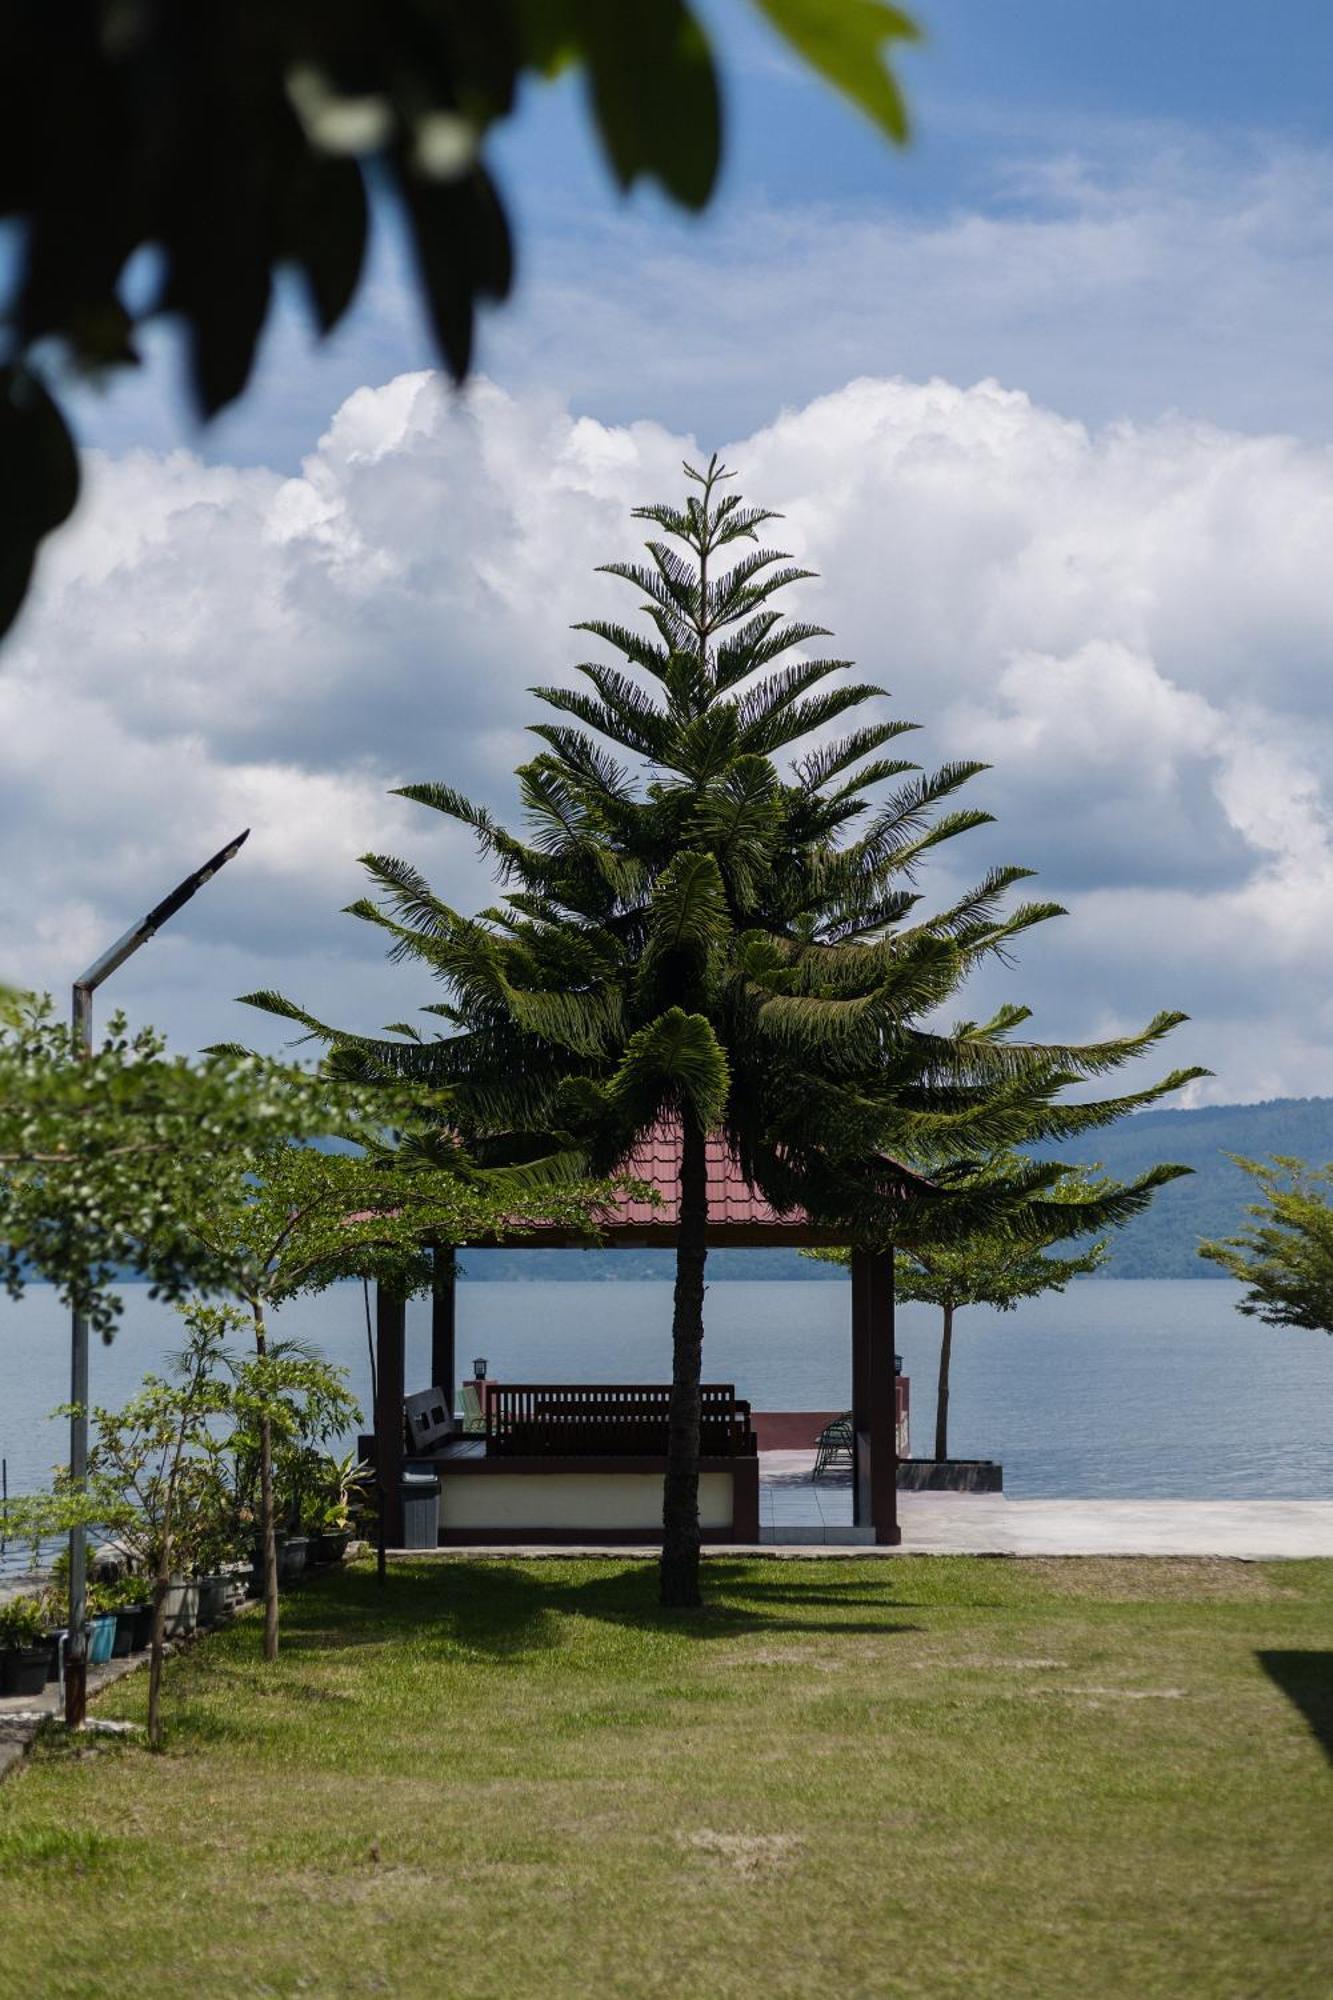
point(1161, 1244)
point(1211, 1202)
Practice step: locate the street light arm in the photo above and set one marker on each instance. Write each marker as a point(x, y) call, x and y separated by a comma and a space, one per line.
point(147, 926)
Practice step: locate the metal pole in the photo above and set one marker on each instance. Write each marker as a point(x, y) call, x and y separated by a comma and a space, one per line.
point(76, 1655)
point(76, 1646)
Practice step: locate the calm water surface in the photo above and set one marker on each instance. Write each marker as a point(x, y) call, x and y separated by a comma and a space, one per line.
point(1147, 1387)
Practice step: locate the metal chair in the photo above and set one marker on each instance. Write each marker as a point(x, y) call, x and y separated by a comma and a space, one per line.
point(835, 1445)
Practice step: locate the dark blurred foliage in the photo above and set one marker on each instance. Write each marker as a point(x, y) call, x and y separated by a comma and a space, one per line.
point(237, 136)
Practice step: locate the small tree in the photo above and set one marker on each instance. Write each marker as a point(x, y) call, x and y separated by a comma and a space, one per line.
point(287, 1219)
point(986, 1270)
point(988, 1244)
point(152, 1470)
point(307, 1405)
point(106, 1160)
point(1286, 1256)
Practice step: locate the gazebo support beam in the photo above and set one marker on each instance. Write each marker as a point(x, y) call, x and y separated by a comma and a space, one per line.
point(875, 1475)
point(443, 1321)
point(390, 1381)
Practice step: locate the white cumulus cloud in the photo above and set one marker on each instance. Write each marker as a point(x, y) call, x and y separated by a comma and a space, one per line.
point(1134, 626)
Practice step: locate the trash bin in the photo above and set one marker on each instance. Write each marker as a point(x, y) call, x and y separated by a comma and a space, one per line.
point(421, 1505)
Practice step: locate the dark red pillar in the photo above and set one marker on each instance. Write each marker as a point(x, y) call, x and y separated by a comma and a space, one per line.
point(390, 1372)
point(443, 1301)
point(875, 1476)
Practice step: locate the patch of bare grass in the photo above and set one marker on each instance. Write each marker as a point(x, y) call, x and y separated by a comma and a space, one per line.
point(748, 1855)
point(1156, 1579)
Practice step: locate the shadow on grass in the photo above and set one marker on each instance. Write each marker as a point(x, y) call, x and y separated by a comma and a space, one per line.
point(1306, 1679)
point(504, 1609)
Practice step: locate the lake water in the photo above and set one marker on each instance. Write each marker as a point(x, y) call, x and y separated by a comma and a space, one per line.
point(1117, 1389)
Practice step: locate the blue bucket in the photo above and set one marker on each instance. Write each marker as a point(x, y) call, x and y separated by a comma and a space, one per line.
point(101, 1638)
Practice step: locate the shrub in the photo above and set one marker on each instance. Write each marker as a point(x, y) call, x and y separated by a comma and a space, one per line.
point(22, 1624)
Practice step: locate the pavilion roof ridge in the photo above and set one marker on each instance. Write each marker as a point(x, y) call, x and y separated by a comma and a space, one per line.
point(738, 1213)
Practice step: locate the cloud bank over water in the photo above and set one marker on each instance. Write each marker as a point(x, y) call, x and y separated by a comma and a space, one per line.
point(1133, 625)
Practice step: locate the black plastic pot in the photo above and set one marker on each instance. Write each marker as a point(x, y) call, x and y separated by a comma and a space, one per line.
point(292, 1552)
point(214, 1597)
point(23, 1669)
point(140, 1620)
point(329, 1548)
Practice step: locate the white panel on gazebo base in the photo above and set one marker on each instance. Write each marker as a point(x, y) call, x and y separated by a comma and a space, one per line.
point(585, 1500)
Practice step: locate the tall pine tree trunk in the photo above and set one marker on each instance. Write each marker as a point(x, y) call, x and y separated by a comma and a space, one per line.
point(680, 1498)
point(942, 1396)
point(268, 1536)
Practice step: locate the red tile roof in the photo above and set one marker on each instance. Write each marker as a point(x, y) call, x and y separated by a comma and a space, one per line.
point(731, 1198)
point(737, 1212)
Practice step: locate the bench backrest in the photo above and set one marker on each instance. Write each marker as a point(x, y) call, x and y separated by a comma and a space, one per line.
point(585, 1419)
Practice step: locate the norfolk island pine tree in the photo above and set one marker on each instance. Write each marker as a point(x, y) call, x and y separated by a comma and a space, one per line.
point(708, 935)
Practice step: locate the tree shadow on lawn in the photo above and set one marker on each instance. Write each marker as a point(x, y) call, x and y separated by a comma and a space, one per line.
point(1307, 1681)
point(504, 1609)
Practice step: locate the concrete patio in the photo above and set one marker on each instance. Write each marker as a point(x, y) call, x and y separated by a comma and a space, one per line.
point(794, 1512)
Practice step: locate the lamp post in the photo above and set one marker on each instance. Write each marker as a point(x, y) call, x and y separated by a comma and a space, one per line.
point(76, 1657)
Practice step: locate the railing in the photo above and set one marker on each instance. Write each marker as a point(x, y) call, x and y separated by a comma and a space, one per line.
point(585, 1419)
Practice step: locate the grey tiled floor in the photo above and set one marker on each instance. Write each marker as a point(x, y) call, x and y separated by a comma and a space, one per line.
point(793, 1508)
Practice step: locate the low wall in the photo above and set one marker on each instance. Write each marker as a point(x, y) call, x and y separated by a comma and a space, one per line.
point(790, 1430)
point(798, 1430)
point(587, 1499)
point(583, 1500)
point(950, 1475)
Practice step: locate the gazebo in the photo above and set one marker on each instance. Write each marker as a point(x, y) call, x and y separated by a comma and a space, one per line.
point(739, 1217)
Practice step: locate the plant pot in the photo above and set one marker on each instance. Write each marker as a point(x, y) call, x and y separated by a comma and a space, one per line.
point(101, 1638)
point(292, 1554)
point(214, 1598)
point(23, 1669)
point(139, 1618)
point(950, 1475)
point(182, 1607)
point(124, 1637)
point(330, 1547)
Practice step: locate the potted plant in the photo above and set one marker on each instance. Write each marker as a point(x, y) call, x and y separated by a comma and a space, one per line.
point(180, 1606)
point(130, 1600)
point(290, 1406)
point(214, 1544)
point(292, 1553)
point(24, 1647)
point(214, 1596)
point(155, 1453)
point(330, 1511)
point(101, 1636)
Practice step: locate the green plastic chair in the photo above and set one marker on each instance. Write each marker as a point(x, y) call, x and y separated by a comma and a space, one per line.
point(474, 1417)
point(835, 1445)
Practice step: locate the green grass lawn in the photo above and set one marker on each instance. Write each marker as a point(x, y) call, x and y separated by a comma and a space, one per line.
point(934, 1776)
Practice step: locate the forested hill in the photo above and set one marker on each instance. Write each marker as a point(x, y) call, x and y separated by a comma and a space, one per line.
point(1161, 1244)
point(1212, 1200)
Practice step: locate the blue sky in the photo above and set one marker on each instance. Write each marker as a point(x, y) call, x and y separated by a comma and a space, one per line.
point(1046, 400)
point(1025, 112)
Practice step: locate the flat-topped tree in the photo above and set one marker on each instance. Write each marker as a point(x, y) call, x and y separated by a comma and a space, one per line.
point(722, 930)
point(1285, 1253)
point(966, 1254)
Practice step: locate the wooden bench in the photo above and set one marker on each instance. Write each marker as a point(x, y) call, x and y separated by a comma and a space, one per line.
point(612, 1419)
